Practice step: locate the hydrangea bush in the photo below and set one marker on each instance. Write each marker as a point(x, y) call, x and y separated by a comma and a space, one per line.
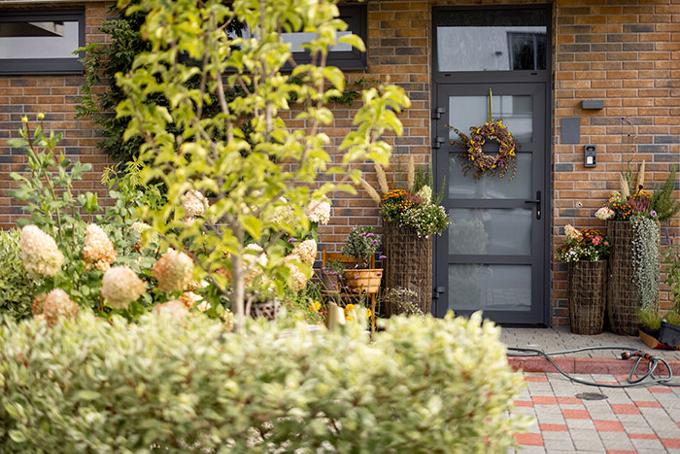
point(189, 385)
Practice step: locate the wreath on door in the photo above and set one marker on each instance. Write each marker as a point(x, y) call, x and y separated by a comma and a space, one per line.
point(474, 158)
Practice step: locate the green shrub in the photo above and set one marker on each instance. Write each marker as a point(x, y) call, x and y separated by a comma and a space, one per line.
point(88, 385)
point(16, 288)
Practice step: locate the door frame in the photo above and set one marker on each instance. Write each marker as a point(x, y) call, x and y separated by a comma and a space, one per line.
point(511, 77)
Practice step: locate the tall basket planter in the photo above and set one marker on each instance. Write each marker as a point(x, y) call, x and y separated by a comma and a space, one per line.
point(622, 294)
point(587, 296)
point(408, 263)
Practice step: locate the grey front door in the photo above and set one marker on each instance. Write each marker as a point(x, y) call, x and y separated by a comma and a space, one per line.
point(493, 256)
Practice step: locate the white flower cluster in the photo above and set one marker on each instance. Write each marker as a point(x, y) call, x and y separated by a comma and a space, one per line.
point(306, 251)
point(425, 193)
point(297, 279)
point(121, 286)
point(254, 261)
point(173, 308)
point(173, 271)
point(57, 305)
point(319, 211)
point(98, 249)
point(39, 252)
point(604, 213)
point(194, 204)
point(572, 232)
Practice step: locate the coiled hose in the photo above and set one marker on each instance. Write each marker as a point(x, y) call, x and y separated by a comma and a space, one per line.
point(636, 376)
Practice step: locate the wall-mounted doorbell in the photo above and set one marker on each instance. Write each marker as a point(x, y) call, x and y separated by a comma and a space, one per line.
point(589, 155)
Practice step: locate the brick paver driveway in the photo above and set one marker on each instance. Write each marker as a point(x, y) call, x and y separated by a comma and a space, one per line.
point(632, 420)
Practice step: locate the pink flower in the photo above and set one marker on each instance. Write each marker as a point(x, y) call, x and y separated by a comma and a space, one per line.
point(596, 240)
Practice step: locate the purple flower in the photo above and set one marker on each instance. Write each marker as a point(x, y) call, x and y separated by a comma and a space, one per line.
point(652, 213)
point(382, 257)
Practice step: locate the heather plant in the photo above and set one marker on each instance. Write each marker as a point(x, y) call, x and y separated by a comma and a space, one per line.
point(190, 385)
point(258, 173)
point(362, 243)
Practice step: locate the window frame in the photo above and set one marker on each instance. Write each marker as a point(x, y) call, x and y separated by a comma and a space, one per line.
point(356, 17)
point(31, 66)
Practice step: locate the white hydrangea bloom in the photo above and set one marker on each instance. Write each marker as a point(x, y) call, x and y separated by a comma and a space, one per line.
point(319, 211)
point(203, 306)
point(307, 251)
point(98, 249)
point(194, 204)
point(255, 260)
point(121, 286)
point(39, 252)
point(173, 308)
point(174, 271)
point(604, 213)
point(58, 305)
point(297, 279)
point(140, 227)
point(189, 299)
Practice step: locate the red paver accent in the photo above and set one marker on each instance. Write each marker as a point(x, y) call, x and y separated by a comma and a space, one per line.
point(671, 443)
point(523, 403)
point(642, 436)
point(575, 414)
point(544, 400)
point(648, 404)
point(536, 378)
point(529, 439)
point(569, 400)
point(553, 427)
point(608, 426)
point(659, 390)
point(625, 409)
point(613, 366)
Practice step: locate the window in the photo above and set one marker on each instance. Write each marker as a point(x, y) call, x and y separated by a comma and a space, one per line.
point(341, 55)
point(40, 42)
point(505, 40)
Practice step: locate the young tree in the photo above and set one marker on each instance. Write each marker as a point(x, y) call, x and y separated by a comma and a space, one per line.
point(259, 172)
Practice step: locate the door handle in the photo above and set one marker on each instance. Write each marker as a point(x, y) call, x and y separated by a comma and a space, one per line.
point(538, 204)
point(437, 292)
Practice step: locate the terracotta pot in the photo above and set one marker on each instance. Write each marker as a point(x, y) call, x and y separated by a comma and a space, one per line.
point(364, 280)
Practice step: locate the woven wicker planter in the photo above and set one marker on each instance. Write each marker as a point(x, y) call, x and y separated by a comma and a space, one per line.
point(364, 280)
point(623, 296)
point(268, 310)
point(587, 296)
point(408, 263)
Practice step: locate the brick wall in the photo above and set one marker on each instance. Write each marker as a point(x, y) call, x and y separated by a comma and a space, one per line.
point(58, 97)
point(626, 52)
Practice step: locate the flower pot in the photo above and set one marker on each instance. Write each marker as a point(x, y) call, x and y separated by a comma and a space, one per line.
point(330, 281)
point(651, 339)
point(363, 280)
point(408, 262)
point(587, 296)
point(268, 310)
point(623, 297)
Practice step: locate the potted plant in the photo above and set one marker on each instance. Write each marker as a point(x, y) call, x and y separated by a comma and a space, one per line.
point(663, 332)
point(633, 229)
point(362, 244)
point(411, 218)
point(586, 251)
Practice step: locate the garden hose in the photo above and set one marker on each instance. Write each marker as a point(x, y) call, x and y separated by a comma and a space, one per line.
point(636, 376)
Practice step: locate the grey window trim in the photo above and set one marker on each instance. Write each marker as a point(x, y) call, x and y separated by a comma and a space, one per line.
point(28, 66)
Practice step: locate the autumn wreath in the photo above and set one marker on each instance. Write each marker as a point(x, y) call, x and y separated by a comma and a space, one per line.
point(481, 163)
